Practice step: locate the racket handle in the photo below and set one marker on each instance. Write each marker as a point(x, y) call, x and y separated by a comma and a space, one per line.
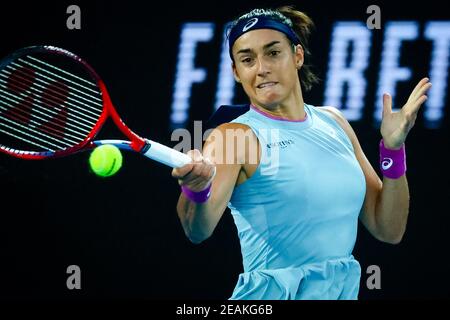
point(166, 155)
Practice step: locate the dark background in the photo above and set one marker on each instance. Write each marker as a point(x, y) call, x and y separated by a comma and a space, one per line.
point(124, 232)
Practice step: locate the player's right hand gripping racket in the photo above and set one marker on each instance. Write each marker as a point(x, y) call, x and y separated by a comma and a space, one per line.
point(52, 103)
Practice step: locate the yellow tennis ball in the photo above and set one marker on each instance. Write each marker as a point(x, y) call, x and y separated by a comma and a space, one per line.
point(105, 160)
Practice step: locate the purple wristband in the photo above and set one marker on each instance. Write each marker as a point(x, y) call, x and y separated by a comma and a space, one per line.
point(392, 162)
point(198, 197)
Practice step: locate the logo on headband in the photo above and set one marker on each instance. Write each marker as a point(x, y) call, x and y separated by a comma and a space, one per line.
point(250, 24)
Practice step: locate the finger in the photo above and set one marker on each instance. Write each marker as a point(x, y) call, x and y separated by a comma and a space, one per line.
point(195, 173)
point(200, 174)
point(420, 92)
point(416, 105)
point(423, 90)
point(195, 155)
point(387, 104)
point(192, 154)
point(206, 172)
point(208, 161)
point(195, 183)
point(182, 171)
point(198, 157)
point(418, 86)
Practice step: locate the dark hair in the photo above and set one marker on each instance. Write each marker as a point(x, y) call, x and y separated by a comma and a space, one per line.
point(301, 24)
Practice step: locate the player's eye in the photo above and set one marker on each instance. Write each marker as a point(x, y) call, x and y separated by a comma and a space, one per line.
point(274, 53)
point(246, 60)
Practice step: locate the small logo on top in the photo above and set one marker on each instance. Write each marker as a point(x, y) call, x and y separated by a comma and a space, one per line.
point(250, 24)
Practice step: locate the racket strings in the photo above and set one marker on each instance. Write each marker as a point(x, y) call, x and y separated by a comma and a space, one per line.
point(45, 106)
point(21, 111)
point(36, 67)
point(14, 117)
point(47, 145)
point(56, 87)
point(49, 99)
point(93, 85)
point(25, 111)
point(24, 140)
point(77, 87)
point(55, 84)
point(40, 131)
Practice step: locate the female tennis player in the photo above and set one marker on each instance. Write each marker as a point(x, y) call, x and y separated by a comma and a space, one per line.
point(298, 185)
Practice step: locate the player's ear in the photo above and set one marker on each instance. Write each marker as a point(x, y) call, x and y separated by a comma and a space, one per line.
point(299, 56)
point(235, 73)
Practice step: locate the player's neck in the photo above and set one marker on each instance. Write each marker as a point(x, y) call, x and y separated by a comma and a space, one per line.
point(291, 109)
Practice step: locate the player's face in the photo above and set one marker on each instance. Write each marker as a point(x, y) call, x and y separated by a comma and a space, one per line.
point(266, 65)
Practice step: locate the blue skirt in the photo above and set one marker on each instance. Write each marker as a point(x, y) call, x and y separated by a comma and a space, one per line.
point(336, 279)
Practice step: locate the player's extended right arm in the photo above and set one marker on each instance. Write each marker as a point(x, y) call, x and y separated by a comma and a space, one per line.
point(200, 219)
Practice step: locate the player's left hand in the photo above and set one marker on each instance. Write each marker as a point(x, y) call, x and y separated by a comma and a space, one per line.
point(396, 125)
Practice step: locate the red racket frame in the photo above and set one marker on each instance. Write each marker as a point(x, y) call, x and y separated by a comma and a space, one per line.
point(137, 143)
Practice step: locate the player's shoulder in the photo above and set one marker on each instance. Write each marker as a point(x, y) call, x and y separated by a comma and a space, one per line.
point(335, 112)
point(232, 125)
point(231, 130)
point(342, 121)
point(233, 138)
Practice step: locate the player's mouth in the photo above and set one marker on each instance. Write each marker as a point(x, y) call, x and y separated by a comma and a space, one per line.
point(266, 84)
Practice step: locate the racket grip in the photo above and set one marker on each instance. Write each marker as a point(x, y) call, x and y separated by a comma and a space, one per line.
point(166, 155)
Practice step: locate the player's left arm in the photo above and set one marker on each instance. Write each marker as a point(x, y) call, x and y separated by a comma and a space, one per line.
point(374, 185)
point(386, 204)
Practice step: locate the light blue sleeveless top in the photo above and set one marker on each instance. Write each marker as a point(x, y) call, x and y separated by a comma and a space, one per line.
point(297, 216)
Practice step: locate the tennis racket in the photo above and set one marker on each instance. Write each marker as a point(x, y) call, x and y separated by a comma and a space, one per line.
point(53, 104)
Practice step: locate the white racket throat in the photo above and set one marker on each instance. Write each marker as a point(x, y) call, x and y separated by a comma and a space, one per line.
point(166, 155)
